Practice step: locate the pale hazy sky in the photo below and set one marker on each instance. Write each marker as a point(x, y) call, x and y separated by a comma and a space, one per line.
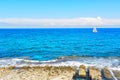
point(59, 13)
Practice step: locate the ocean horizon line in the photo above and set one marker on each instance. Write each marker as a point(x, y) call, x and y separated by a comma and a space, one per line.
point(67, 28)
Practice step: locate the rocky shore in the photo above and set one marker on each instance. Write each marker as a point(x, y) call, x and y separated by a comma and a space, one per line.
point(117, 74)
point(94, 73)
point(82, 71)
point(57, 73)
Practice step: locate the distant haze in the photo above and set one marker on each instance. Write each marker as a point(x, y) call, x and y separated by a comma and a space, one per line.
point(65, 22)
point(59, 13)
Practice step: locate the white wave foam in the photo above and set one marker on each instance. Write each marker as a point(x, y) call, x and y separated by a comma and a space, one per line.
point(113, 63)
point(113, 75)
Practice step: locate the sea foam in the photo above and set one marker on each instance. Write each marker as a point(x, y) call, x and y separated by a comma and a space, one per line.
point(112, 63)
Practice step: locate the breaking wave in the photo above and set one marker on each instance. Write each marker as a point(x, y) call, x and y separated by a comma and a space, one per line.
point(113, 63)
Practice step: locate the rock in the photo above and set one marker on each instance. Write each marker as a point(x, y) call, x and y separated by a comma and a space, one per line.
point(107, 73)
point(42, 73)
point(82, 71)
point(28, 73)
point(95, 73)
point(4, 71)
point(61, 73)
point(117, 74)
point(61, 78)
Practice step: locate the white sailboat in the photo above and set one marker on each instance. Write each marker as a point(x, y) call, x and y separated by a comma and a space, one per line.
point(94, 30)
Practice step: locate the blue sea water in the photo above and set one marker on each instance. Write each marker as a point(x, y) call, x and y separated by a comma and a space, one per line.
point(51, 44)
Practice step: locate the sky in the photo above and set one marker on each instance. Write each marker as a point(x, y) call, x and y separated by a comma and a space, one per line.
point(59, 13)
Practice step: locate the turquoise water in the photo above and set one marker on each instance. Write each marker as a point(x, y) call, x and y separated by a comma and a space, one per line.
point(51, 44)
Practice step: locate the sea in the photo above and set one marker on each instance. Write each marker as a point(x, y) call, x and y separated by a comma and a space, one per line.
point(60, 47)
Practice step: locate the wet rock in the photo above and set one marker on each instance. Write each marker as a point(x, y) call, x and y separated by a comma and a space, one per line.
point(41, 73)
point(82, 71)
point(107, 73)
point(4, 71)
point(95, 73)
point(28, 73)
point(61, 73)
point(117, 74)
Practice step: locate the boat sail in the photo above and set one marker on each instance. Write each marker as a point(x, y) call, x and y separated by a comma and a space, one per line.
point(94, 30)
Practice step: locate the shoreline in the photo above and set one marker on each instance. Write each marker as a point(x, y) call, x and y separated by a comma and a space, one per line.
point(57, 73)
point(85, 68)
point(112, 63)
